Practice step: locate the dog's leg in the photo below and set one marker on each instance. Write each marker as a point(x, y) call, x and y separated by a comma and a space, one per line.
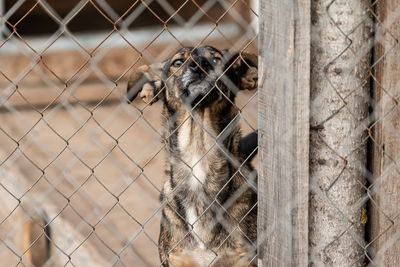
point(182, 261)
point(248, 145)
point(240, 260)
point(173, 236)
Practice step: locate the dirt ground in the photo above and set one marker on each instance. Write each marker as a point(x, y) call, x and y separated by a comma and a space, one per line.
point(96, 171)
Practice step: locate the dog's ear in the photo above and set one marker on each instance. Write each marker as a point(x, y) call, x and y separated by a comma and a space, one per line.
point(244, 66)
point(146, 83)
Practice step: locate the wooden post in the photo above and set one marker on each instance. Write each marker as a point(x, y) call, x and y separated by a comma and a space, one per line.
point(35, 235)
point(36, 244)
point(340, 54)
point(385, 187)
point(284, 77)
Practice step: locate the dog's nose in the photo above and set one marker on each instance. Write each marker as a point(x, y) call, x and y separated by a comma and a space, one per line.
point(199, 65)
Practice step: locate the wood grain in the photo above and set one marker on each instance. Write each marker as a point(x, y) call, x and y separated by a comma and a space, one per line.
point(284, 76)
point(384, 224)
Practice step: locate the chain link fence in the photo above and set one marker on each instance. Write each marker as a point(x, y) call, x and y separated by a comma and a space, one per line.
point(382, 233)
point(330, 194)
point(82, 170)
point(353, 175)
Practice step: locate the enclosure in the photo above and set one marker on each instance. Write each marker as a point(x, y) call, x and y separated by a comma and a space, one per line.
point(81, 169)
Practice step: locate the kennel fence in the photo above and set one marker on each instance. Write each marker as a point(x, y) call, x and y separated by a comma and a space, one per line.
point(327, 113)
point(76, 159)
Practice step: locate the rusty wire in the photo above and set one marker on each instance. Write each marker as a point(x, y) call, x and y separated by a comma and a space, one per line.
point(65, 99)
point(368, 127)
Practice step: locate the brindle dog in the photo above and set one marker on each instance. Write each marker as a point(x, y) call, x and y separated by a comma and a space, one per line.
point(209, 216)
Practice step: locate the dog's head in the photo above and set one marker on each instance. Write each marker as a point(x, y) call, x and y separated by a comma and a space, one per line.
point(195, 77)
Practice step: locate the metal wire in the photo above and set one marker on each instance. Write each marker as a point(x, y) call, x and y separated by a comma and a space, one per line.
point(372, 202)
point(70, 154)
point(75, 153)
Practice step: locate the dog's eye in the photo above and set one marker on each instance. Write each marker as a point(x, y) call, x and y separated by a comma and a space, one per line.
point(177, 62)
point(216, 60)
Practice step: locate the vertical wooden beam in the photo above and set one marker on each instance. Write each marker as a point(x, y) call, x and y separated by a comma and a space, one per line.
point(340, 52)
point(385, 188)
point(36, 245)
point(284, 96)
point(34, 239)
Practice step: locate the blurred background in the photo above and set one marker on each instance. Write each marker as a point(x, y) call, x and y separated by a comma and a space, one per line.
point(74, 156)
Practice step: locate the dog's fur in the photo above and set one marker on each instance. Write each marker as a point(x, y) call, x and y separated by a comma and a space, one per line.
point(209, 216)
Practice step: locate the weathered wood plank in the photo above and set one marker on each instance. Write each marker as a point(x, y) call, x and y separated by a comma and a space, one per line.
point(385, 188)
point(284, 76)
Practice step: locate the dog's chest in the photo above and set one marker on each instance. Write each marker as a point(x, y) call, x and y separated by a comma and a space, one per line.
point(194, 148)
point(200, 218)
point(200, 231)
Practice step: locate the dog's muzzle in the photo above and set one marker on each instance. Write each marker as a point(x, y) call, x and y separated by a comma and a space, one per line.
point(197, 80)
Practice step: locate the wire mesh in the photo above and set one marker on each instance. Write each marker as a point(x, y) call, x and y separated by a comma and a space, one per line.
point(352, 172)
point(81, 170)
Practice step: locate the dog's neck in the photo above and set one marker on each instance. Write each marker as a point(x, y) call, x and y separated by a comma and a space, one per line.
point(197, 140)
point(201, 128)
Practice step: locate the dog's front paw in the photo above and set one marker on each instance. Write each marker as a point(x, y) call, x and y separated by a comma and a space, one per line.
point(149, 92)
point(250, 80)
point(146, 83)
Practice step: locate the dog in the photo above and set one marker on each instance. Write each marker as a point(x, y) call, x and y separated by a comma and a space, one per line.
point(209, 215)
